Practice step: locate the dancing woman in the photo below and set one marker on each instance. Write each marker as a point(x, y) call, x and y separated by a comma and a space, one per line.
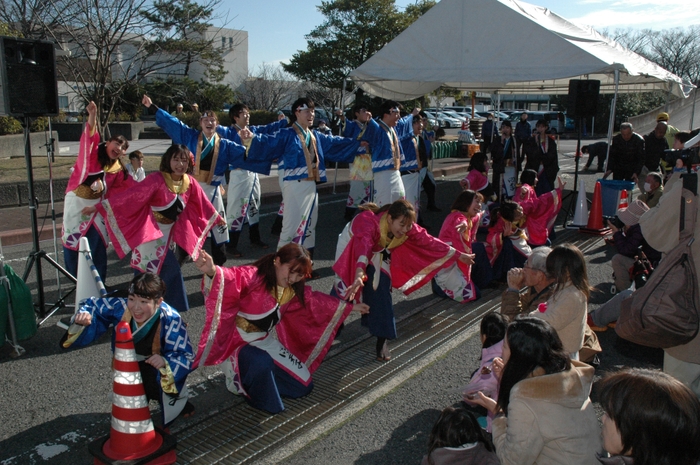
point(384, 248)
point(167, 207)
point(243, 304)
point(97, 174)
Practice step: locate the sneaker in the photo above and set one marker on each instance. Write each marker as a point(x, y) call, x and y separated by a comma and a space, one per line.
point(594, 327)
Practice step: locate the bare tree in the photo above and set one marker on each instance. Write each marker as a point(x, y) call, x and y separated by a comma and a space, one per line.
point(269, 88)
point(114, 46)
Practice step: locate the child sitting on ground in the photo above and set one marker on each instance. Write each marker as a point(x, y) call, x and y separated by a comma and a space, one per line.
point(506, 242)
point(493, 331)
point(458, 438)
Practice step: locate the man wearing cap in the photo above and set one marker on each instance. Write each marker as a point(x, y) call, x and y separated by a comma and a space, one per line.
point(627, 241)
point(670, 131)
point(534, 276)
point(654, 146)
point(542, 157)
point(503, 153)
point(626, 155)
point(652, 190)
point(323, 128)
point(489, 133)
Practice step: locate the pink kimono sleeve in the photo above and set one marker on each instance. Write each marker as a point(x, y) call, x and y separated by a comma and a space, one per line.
point(219, 336)
point(86, 163)
point(418, 259)
point(196, 220)
point(308, 331)
point(128, 215)
point(358, 252)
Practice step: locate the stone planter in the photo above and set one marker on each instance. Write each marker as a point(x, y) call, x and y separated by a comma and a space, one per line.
point(13, 145)
point(70, 132)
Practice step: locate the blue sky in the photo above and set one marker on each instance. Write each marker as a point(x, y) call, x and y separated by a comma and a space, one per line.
point(276, 28)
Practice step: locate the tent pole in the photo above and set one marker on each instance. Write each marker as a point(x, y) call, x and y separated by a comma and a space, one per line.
point(611, 123)
point(692, 113)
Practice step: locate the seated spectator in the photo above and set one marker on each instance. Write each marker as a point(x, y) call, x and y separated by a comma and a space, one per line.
point(493, 330)
point(506, 242)
point(544, 414)
point(628, 241)
point(650, 418)
point(567, 308)
point(135, 166)
point(532, 275)
point(461, 281)
point(653, 189)
point(540, 211)
point(477, 178)
point(599, 151)
point(458, 438)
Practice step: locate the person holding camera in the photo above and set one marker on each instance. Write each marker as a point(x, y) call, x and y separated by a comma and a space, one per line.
point(627, 239)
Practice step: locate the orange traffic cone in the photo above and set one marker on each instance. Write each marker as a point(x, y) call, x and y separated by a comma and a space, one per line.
point(623, 200)
point(595, 219)
point(132, 438)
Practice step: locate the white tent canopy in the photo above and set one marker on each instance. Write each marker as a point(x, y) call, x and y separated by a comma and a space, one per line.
point(505, 47)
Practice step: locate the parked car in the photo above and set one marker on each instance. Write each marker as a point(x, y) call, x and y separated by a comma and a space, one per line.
point(460, 109)
point(440, 120)
point(450, 121)
point(454, 114)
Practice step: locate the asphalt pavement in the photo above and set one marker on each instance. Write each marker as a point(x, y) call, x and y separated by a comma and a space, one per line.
point(54, 402)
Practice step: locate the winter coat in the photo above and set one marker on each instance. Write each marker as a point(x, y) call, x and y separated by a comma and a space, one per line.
point(551, 420)
point(566, 311)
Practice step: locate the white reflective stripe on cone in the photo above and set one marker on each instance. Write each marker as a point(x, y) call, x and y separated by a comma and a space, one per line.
point(125, 355)
point(132, 427)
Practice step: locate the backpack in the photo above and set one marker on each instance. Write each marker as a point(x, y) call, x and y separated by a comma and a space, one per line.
point(666, 311)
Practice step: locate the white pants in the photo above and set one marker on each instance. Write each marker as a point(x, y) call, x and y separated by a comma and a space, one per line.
point(213, 193)
point(360, 193)
point(300, 213)
point(388, 187)
point(243, 199)
point(412, 185)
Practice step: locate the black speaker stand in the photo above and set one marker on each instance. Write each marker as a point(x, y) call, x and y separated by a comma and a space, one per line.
point(35, 257)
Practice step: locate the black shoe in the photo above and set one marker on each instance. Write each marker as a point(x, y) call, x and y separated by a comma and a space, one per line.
point(234, 252)
point(433, 208)
point(260, 244)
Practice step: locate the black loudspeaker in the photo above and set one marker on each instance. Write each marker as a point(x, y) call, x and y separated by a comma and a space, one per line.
point(583, 98)
point(28, 78)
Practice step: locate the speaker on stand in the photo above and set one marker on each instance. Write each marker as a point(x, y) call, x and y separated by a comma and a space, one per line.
point(28, 89)
point(583, 103)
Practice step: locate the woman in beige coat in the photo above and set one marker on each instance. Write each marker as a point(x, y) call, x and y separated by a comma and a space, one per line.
point(567, 308)
point(544, 414)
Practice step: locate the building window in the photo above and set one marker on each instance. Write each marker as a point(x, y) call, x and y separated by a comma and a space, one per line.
point(63, 102)
point(223, 42)
point(230, 43)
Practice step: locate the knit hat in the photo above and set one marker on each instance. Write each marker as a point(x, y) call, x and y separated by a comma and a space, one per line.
point(662, 117)
point(630, 215)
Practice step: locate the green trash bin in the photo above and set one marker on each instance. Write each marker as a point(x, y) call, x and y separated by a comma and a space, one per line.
point(22, 306)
